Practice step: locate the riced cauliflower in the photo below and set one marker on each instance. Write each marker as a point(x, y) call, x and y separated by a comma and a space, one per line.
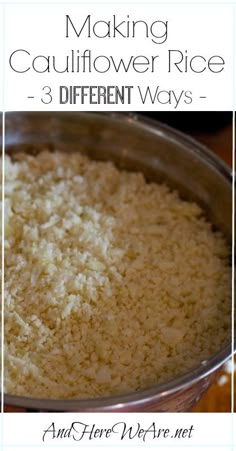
point(112, 284)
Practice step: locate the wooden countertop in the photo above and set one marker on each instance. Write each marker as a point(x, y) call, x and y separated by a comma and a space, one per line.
point(218, 397)
point(220, 142)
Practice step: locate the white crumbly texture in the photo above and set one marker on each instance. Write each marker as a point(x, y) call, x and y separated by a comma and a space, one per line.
point(112, 284)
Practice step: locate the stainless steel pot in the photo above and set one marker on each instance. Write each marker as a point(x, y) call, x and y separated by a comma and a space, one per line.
point(162, 154)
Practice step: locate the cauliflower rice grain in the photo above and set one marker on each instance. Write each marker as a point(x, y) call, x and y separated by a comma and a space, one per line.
point(112, 283)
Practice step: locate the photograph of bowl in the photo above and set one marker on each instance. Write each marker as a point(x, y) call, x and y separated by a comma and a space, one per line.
point(117, 264)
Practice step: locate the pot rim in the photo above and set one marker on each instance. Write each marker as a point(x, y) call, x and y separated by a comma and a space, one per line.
point(129, 400)
point(156, 392)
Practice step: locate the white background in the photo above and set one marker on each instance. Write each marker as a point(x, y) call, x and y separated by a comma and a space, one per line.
point(124, 1)
point(206, 30)
point(1, 56)
point(209, 429)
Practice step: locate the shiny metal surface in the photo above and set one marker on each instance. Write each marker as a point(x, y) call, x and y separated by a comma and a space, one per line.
point(162, 154)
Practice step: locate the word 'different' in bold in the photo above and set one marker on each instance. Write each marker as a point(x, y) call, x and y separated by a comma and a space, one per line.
point(106, 95)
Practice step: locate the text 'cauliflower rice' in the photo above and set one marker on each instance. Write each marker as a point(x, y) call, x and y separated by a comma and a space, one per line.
point(112, 284)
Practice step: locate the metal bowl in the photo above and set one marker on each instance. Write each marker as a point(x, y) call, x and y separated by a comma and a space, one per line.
point(162, 154)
